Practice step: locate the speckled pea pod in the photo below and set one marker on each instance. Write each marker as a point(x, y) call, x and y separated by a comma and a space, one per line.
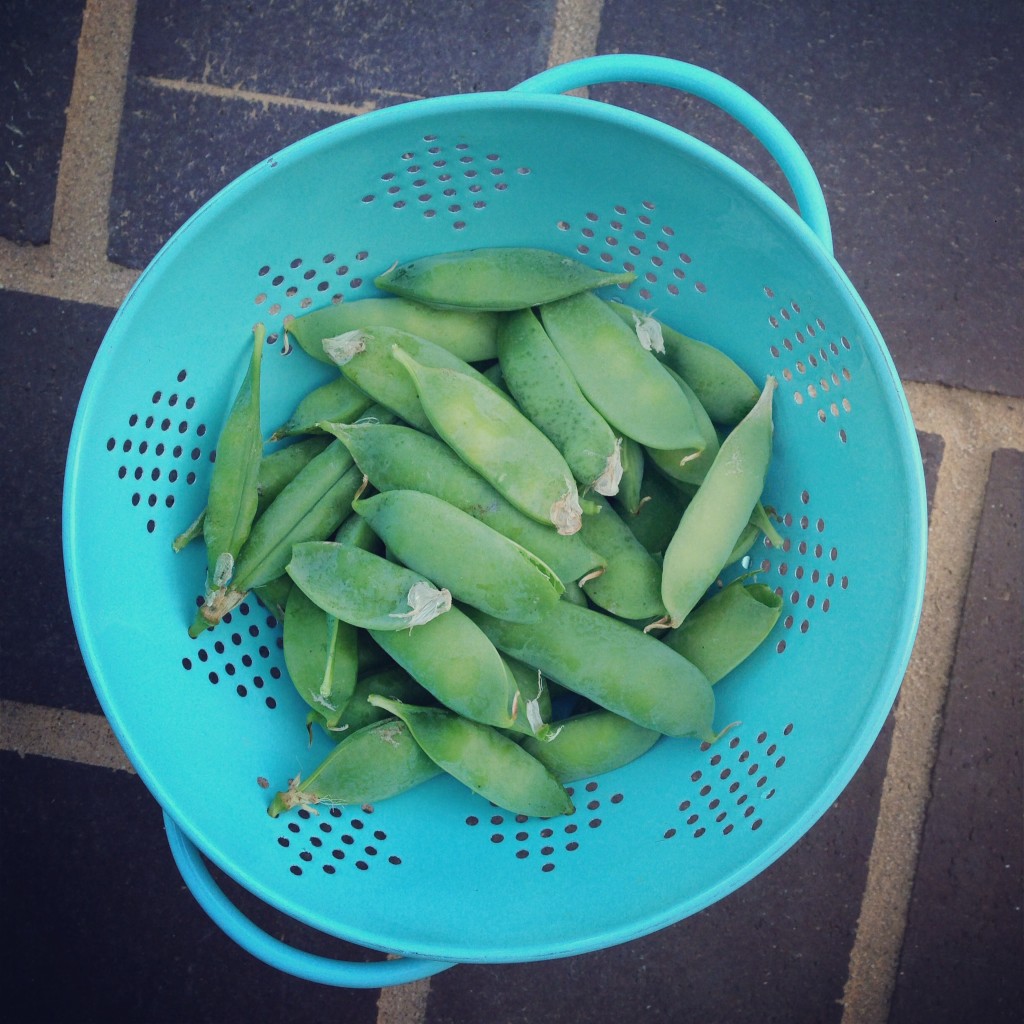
point(478, 565)
point(719, 512)
point(620, 668)
point(497, 278)
point(378, 761)
point(396, 457)
point(723, 387)
point(364, 589)
point(365, 358)
point(727, 628)
point(467, 334)
point(630, 586)
point(484, 760)
point(339, 401)
point(685, 466)
point(493, 437)
point(590, 744)
point(453, 659)
point(623, 380)
point(231, 504)
point(543, 385)
point(321, 654)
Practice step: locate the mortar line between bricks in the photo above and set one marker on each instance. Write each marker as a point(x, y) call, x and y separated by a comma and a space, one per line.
point(973, 426)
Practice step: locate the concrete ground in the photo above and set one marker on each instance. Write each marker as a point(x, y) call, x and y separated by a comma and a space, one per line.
point(903, 904)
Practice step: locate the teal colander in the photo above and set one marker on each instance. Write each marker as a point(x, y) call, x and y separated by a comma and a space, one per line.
point(430, 875)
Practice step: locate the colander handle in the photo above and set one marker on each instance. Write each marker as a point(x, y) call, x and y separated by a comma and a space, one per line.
point(756, 118)
point(297, 962)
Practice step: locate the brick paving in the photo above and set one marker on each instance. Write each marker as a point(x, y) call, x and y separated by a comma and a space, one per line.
point(903, 903)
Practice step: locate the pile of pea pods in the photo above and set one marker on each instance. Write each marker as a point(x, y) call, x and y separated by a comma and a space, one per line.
point(496, 539)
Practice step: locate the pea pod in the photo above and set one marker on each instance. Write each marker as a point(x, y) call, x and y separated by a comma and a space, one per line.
point(231, 505)
point(467, 334)
point(616, 666)
point(727, 628)
point(589, 744)
point(629, 494)
point(378, 761)
point(493, 437)
point(274, 595)
point(543, 385)
point(623, 381)
point(658, 513)
point(364, 589)
point(724, 389)
point(484, 760)
point(533, 710)
point(321, 655)
point(338, 400)
point(396, 457)
point(498, 278)
point(453, 659)
point(392, 682)
point(683, 465)
point(365, 358)
point(630, 586)
point(719, 511)
point(475, 563)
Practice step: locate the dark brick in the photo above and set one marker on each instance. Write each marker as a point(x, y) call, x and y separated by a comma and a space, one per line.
point(965, 912)
point(54, 345)
point(104, 930)
point(37, 52)
point(910, 117)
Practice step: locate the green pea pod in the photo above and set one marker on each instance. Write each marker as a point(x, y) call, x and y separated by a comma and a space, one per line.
point(475, 563)
point(379, 761)
point(727, 628)
point(321, 655)
point(276, 470)
point(391, 682)
point(499, 278)
point(658, 513)
point(231, 505)
point(467, 334)
point(533, 708)
point(590, 744)
point(723, 388)
point(484, 760)
point(364, 589)
point(719, 511)
point(453, 659)
point(630, 586)
point(338, 400)
point(396, 457)
point(616, 666)
point(623, 381)
point(543, 385)
point(493, 437)
point(630, 486)
point(274, 596)
point(685, 466)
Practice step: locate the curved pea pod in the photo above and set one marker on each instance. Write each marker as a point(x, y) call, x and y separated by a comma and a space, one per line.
point(591, 744)
point(533, 704)
point(467, 334)
point(543, 385)
point(498, 278)
point(620, 668)
point(231, 505)
point(727, 628)
point(475, 563)
point(719, 511)
point(493, 437)
point(623, 380)
point(629, 495)
point(483, 759)
point(630, 586)
point(393, 682)
point(338, 400)
point(453, 659)
point(660, 508)
point(725, 390)
point(321, 655)
point(364, 589)
point(379, 761)
point(686, 466)
point(365, 358)
point(396, 457)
